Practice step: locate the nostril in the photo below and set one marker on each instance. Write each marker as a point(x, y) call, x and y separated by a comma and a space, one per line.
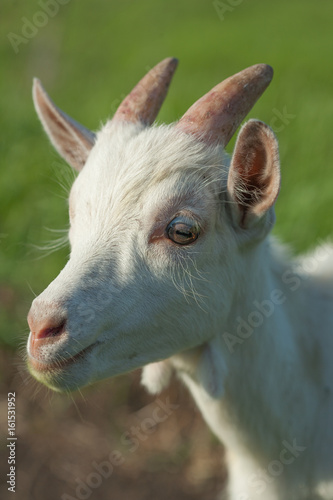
point(51, 331)
point(47, 322)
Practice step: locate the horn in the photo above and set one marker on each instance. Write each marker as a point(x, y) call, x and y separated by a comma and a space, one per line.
point(145, 100)
point(215, 117)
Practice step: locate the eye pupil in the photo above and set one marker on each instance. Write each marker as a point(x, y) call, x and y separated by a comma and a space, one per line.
point(181, 232)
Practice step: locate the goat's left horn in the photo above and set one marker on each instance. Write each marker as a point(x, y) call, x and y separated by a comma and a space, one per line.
point(145, 100)
point(215, 117)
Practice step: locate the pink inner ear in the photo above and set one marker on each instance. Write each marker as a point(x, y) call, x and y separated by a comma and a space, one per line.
point(254, 177)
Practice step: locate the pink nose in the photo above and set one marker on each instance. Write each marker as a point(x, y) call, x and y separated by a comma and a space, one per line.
point(47, 324)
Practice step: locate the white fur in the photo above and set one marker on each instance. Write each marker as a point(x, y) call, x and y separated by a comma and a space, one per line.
point(146, 302)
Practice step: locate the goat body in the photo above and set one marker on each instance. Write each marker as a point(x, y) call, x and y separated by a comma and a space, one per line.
point(172, 269)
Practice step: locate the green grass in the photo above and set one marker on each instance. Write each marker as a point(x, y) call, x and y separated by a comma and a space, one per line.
point(91, 53)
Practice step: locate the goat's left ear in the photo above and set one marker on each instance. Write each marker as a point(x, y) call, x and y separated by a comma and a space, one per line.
point(254, 175)
point(71, 139)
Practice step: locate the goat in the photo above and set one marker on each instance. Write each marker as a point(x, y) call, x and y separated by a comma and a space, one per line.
point(172, 269)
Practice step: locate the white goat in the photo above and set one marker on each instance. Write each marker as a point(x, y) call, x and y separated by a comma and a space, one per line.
point(171, 268)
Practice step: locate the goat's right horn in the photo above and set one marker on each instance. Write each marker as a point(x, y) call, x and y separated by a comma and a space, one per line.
point(145, 100)
point(215, 117)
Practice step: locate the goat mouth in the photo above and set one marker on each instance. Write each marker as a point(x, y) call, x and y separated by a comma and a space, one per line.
point(58, 364)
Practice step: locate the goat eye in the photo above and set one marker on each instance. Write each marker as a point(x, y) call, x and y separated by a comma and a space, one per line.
point(182, 233)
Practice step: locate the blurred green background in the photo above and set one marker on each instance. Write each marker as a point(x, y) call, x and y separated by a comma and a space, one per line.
point(90, 54)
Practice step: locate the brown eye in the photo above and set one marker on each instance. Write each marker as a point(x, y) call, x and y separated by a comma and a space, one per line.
point(181, 232)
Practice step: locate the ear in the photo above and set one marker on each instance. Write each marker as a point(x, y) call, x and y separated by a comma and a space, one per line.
point(156, 376)
point(72, 141)
point(212, 369)
point(254, 175)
